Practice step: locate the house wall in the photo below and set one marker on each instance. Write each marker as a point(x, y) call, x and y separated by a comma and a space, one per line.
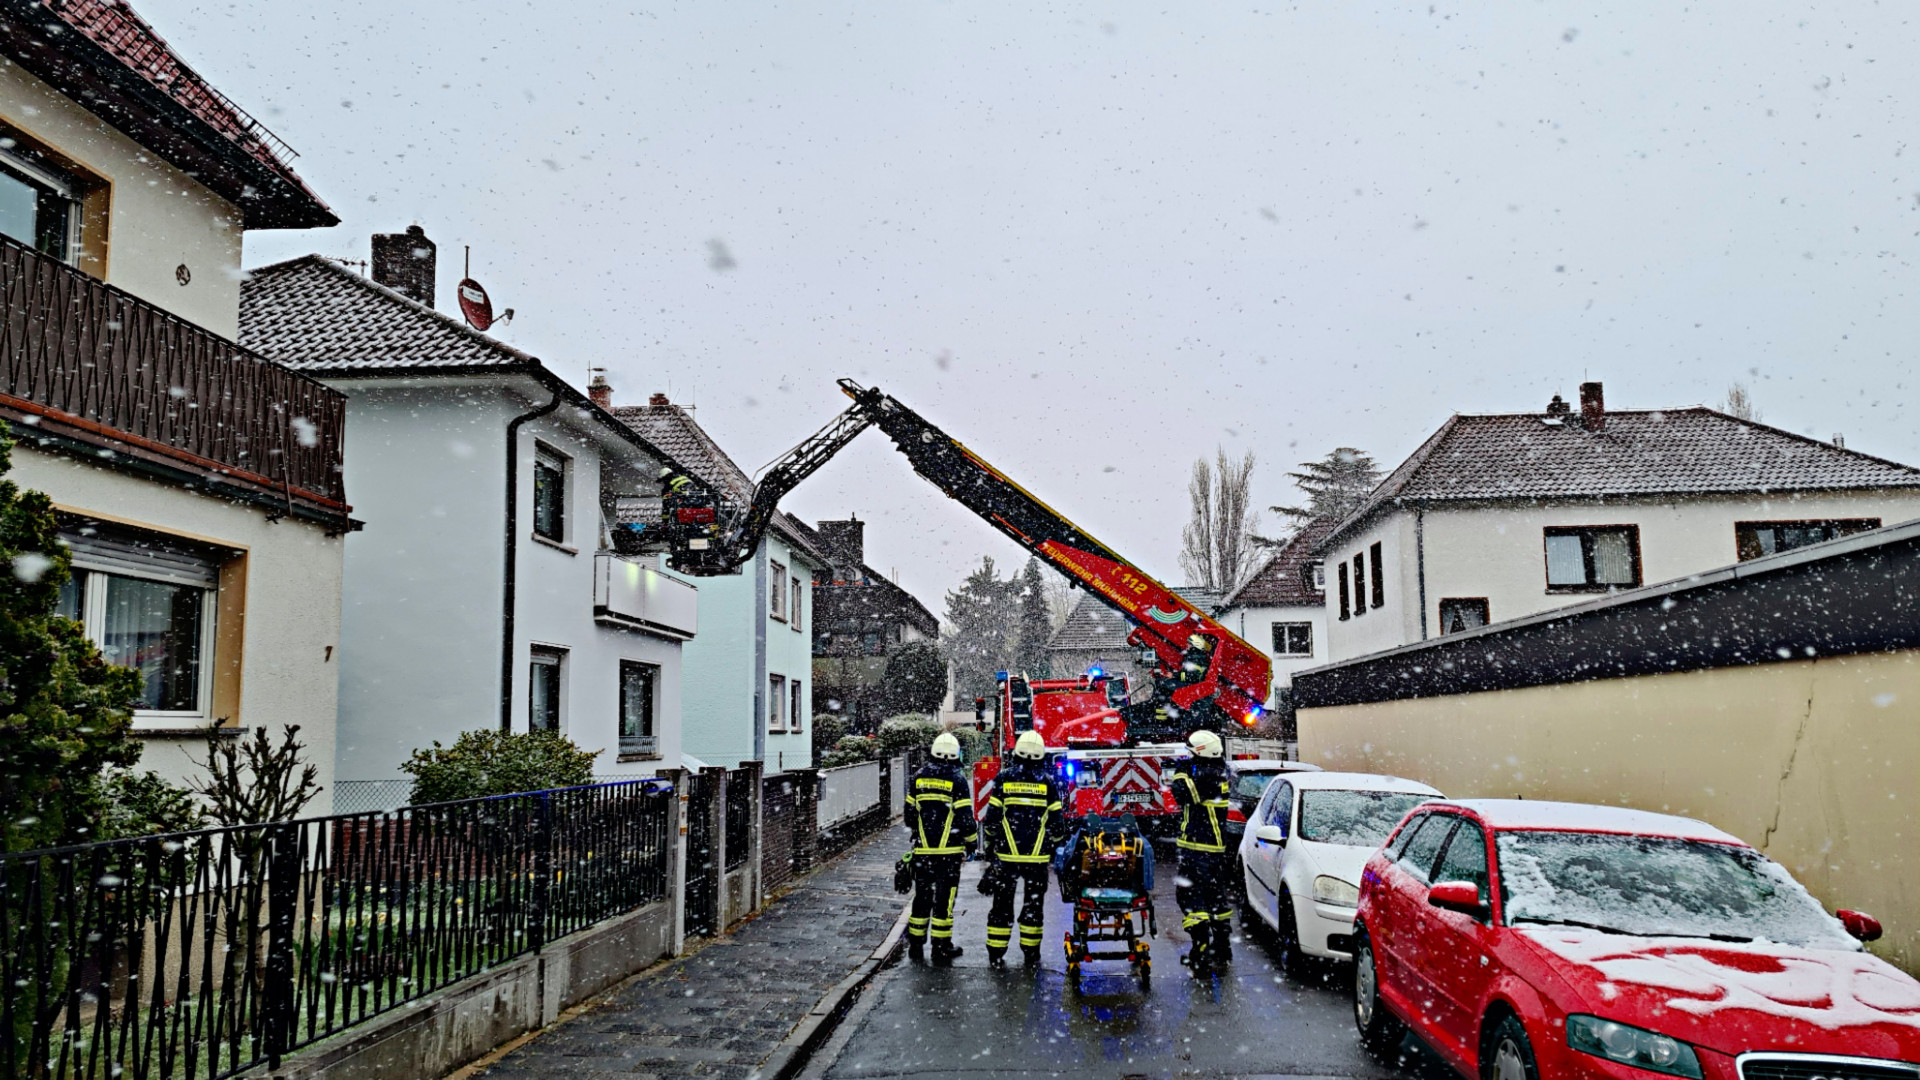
point(1498, 552)
point(1255, 626)
point(790, 653)
point(1810, 761)
point(157, 218)
point(289, 622)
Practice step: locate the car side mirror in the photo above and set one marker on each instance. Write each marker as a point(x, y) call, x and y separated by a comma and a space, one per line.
point(1860, 925)
point(1460, 896)
point(1270, 834)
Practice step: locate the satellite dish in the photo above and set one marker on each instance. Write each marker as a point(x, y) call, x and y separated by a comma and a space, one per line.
point(475, 305)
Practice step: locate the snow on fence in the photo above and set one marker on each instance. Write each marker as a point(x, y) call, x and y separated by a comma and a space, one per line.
point(848, 791)
point(897, 788)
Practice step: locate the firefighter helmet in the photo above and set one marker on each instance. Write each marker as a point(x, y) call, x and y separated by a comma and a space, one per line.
point(1198, 641)
point(1030, 745)
point(1204, 744)
point(946, 747)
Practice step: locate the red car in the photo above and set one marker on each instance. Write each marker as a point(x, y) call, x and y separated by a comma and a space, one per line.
point(1540, 941)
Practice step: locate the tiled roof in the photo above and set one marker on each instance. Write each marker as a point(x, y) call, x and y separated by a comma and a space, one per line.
point(1688, 451)
point(314, 315)
point(1093, 625)
point(672, 428)
point(1282, 582)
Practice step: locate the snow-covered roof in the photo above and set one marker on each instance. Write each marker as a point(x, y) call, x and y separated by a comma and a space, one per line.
point(1283, 581)
point(1589, 817)
point(1354, 781)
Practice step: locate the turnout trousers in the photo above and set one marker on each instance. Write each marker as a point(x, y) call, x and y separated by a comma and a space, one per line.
point(936, 885)
point(1033, 907)
point(1206, 903)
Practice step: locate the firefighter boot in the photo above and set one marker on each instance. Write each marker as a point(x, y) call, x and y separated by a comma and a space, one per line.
point(1222, 941)
point(916, 950)
point(1030, 955)
point(944, 950)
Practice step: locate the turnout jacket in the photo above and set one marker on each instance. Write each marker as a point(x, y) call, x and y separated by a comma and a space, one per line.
point(1200, 786)
point(940, 810)
point(1025, 819)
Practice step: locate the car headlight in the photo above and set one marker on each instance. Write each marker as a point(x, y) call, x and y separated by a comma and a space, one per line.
point(1632, 1046)
point(1331, 890)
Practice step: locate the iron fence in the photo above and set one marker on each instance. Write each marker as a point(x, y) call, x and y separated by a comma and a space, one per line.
point(740, 790)
point(198, 955)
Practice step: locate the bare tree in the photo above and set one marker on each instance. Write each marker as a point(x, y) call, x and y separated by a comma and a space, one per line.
point(1739, 403)
point(1217, 548)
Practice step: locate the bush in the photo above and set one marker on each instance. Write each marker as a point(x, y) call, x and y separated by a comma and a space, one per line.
point(145, 804)
point(850, 750)
point(827, 732)
point(974, 744)
point(497, 763)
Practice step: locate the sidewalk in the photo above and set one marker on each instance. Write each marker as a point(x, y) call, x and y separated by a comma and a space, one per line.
point(723, 1010)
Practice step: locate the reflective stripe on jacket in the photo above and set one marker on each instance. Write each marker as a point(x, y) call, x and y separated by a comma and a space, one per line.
point(1025, 818)
point(940, 810)
point(1201, 787)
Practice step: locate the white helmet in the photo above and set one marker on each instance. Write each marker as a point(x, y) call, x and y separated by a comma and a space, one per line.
point(1030, 745)
point(1204, 744)
point(946, 747)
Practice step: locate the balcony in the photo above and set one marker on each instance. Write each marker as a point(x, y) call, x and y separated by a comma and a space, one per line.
point(628, 592)
point(88, 368)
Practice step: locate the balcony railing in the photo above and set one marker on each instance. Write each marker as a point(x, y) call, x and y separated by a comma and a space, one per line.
point(628, 592)
point(82, 359)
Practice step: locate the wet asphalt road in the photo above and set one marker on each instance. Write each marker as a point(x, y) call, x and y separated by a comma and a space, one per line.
point(971, 1021)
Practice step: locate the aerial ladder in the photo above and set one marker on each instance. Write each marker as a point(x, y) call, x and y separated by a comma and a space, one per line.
point(1203, 675)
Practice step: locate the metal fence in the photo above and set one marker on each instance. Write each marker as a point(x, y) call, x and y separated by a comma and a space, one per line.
point(740, 791)
point(848, 791)
point(198, 955)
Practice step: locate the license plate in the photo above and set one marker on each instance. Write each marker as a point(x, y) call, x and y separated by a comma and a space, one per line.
point(1127, 797)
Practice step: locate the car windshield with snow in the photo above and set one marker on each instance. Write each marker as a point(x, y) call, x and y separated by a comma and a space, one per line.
point(1356, 818)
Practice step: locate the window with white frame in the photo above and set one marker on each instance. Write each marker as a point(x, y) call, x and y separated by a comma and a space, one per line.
point(1592, 558)
point(550, 495)
point(797, 709)
point(148, 603)
point(777, 703)
point(777, 596)
point(638, 684)
point(39, 204)
point(1293, 639)
point(795, 608)
point(546, 690)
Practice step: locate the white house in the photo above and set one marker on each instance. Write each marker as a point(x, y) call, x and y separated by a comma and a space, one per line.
point(749, 673)
point(1499, 516)
point(488, 594)
point(198, 485)
point(1282, 611)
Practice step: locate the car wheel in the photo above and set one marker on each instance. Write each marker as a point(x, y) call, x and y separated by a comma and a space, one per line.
point(1508, 1056)
point(1286, 936)
point(1380, 1030)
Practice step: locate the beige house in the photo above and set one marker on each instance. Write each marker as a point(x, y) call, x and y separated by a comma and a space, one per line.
point(1497, 517)
point(199, 486)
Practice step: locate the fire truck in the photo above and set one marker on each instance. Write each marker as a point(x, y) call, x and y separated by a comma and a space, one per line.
point(1110, 748)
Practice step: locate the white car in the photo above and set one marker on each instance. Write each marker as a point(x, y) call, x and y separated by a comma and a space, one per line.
point(1304, 847)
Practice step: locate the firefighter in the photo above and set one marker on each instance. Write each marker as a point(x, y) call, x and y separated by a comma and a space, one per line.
point(1025, 821)
point(1195, 660)
point(673, 481)
point(1200, 786)
point(940, 813)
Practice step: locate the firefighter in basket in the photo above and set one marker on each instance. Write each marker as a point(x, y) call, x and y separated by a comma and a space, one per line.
point(1200, 786)
point(1024, 823)
point(940, 813)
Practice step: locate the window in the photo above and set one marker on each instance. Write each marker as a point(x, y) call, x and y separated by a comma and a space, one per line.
point(798, 708)
point(1379, 578)
point(1466, 858)
point(38, 206)
point(794, 609)
point(778, 594)
point(776, 703)
point(1593, 558)
point(550, 496)
point(1753, 539)
point(1463, 613)
point(1400, 838)
point(545, 687)
point(1293, 639)
point(1360, 584)
point(149, 606)
point(637, 685)
point(1280, 809)
point(1316, 575)
point(1417, 857)
point(1343, 592)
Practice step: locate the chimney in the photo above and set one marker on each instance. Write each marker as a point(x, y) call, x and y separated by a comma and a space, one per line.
point(405, 262)
point(846, 546)
point(599, 392)
point(1559, 407)
point(1593, 407)
point(658, 399)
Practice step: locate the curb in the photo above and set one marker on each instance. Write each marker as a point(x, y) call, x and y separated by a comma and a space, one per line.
point(792, 1054)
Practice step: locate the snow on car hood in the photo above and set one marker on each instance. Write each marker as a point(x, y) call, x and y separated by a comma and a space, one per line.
point(1344, 861)
point(1811, 1000)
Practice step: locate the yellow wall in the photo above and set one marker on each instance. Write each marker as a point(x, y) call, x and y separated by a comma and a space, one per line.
point(1815, 762)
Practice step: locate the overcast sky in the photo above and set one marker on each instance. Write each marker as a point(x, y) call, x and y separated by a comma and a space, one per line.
point(1094, 241)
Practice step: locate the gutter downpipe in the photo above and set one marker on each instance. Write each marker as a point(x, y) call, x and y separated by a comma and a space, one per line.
point(760, 705)
point(508, 576)
point(1420, 562)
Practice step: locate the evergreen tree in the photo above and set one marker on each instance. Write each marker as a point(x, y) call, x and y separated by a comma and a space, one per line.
point(1030, 645)
point(66, 715)
point(1335, 485)
point(980, 630)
